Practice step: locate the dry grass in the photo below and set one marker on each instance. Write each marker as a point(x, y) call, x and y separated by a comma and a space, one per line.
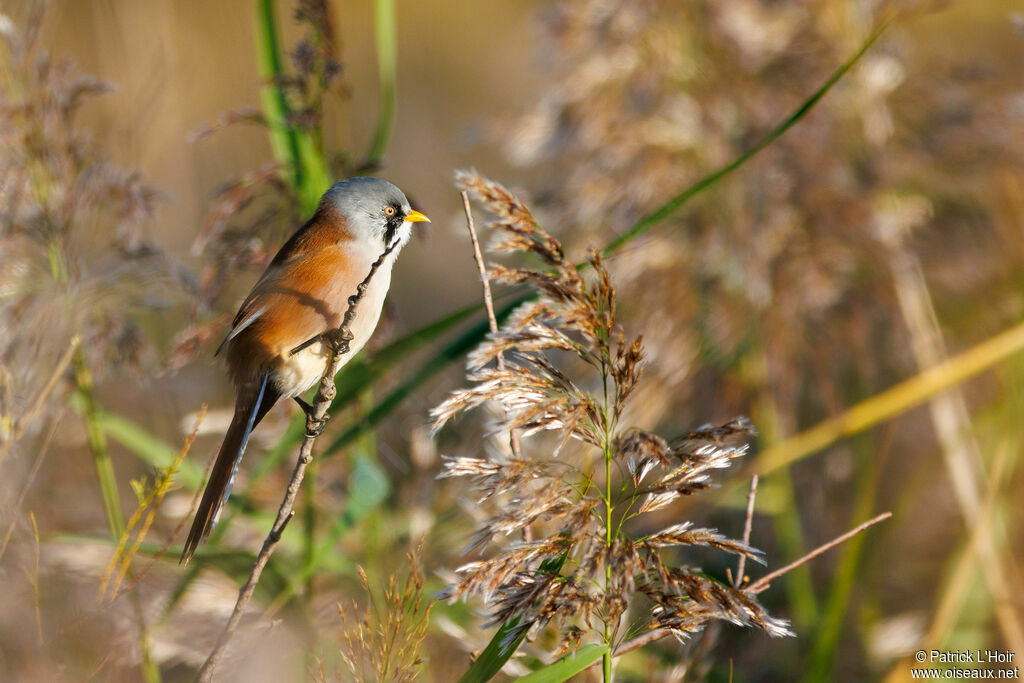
point(617, 580)
point(384, 640)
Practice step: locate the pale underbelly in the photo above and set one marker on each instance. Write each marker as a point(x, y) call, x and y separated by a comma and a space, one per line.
point(295, 374)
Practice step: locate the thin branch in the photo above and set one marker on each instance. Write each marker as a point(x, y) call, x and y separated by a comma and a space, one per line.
point(747, 526)
point(339, 346)
point(765, 581)
point(478, 256)
point(762, 583)
point(708, 638)
point(641, 640)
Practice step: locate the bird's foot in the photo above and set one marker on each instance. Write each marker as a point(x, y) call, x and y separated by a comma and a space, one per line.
point(314, 426)
point(340, 342)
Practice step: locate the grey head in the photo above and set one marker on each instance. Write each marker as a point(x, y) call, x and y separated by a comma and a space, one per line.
point(376, 210)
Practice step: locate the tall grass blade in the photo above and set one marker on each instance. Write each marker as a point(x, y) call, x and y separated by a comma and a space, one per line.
point(891, 402)
point(98, 445)
point(283, 143)
point(566, 668)
point(386, 39)
point(503, 645)
point(829, 630)
point(672, 205)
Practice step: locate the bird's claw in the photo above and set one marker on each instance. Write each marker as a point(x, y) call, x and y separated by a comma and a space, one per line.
point(340, 342)
point(314, 426)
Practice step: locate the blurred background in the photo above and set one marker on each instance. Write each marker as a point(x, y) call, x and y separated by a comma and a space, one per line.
point(883, 235)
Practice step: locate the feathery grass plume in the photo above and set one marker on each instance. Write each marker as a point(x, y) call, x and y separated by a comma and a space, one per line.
point(74, 259)
point(589, 501)
point(384, 642)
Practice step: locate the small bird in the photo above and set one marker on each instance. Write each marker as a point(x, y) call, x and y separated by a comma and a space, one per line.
point(303, 294)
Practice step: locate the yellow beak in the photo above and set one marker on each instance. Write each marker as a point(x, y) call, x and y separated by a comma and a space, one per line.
point(416, 217)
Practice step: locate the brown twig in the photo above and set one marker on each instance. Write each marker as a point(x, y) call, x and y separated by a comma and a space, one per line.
point(766, 580)
point(762, 583)
point(748, 524)
point(478, 256)
point(641, 640)
point(339, 344)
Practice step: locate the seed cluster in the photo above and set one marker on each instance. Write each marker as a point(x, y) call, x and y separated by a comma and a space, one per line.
point(587, 568)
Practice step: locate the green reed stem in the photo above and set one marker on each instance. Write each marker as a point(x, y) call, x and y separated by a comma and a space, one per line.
point(97, 440)
point(386, 38)
point(293, 147)
point(606, 658)
point(283, 144)
point(98, 446)
point(828, 632)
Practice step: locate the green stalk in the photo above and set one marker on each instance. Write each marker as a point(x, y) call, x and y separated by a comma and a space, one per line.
point(283, 143)
point(58, 269)
point(606, 658)
point(294, 148)
point(830, 626)
point(386, 38)
point(786, 521)
point(792, 541)
point(98, 446)
point(97, 440)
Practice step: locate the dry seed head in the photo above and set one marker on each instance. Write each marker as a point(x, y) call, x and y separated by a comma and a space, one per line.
point(683, 534)
point(600, 572)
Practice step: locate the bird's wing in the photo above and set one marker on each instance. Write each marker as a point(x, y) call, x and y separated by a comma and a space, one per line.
point(294, 301)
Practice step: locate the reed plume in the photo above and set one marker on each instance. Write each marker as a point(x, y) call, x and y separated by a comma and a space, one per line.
point(569, 368)
point(74, 256)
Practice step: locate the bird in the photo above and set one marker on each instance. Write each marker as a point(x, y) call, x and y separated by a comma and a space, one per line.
point(276, 348)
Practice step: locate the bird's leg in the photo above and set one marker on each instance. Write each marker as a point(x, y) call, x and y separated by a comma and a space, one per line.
point(314, 426)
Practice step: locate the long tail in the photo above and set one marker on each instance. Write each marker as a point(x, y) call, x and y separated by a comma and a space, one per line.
point(250, 407)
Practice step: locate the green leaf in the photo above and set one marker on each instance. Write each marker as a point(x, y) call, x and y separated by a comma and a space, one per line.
point(569, 666)
point(368, 488)
point(504, 644)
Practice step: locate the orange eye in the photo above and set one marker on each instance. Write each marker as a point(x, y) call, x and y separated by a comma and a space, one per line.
point(390, 211)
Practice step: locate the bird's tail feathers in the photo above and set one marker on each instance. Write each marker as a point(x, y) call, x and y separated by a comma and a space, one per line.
point(250, 408)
